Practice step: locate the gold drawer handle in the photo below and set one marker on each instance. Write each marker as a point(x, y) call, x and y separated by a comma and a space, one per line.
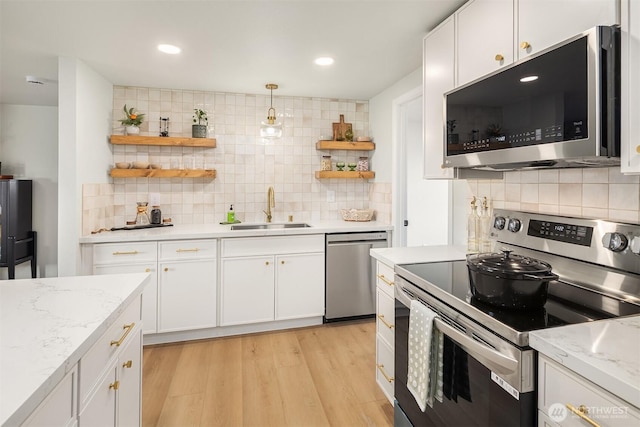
point(499, 57)
point(525, 45)
point(387, 324)
point(385, 280)
point(188, 250)
point(384, 374)
point(582, 412)
point(127, 364)
point(638, 149)
point(125, 253)
point(114, 385)
point(127, 328)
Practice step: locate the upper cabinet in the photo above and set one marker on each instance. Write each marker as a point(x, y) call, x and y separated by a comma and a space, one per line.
point(630, 85)
point(484, 38)
point(438, 75)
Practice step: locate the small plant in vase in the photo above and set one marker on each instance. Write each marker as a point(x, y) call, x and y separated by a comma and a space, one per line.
point(132, 120)
point(200, 121)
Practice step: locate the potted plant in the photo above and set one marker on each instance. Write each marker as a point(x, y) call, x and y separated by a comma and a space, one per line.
point(199, 127)
point(132, 120)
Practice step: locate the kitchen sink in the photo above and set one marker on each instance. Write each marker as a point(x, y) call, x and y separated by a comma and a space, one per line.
point(270, 226)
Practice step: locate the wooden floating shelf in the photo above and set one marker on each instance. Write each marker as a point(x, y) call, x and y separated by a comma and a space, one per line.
point(345, 174)
point(345, 145)
point(161, 140)
point(163, 173)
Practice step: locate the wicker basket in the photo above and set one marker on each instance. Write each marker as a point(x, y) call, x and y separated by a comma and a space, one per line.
point(357, 214)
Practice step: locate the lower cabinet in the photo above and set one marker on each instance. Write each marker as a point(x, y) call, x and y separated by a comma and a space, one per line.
point(567, 399)
point(60, 406)
point(271, 278)
point(385, 332)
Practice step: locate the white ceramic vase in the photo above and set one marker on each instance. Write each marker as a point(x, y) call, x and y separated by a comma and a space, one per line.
point(132, 130)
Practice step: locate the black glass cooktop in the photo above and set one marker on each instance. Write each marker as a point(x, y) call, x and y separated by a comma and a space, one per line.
point(453, 278)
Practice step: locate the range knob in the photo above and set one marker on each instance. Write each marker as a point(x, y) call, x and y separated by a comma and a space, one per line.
point(499, 222)
point(615, 242)
point(514, 225)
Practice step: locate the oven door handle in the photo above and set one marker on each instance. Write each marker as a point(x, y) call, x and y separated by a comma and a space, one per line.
point(495, 361)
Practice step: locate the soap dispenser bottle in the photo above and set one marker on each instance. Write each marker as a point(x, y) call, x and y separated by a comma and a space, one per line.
point(231, 215)
point(485, 225)
point(473, 228)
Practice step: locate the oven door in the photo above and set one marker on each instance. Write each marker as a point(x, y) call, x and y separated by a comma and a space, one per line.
point(474, 390)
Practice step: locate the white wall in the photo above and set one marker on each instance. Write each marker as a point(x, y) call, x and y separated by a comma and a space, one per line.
point(85, 103)
point(29, 150)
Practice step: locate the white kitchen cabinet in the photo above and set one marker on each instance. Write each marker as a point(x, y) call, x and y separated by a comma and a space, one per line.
point(299, 286)
point(186, 285)
point(271, 278)
point(438, 78)
point(110, 374)
point(385, 328)
point(559, 388)
point(484, 31)
point(60, 406)
point(630, 85)
point(543, 23)
point(133, 257)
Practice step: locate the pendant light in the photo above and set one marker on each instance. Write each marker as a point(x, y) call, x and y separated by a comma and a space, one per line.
point(270, 128)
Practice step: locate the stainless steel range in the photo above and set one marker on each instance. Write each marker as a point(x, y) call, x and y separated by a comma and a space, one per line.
point(489, 370)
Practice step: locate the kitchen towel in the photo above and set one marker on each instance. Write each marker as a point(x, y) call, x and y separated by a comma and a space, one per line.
point(424, 379)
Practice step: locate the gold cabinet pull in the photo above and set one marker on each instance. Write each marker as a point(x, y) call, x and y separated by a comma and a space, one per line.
point(499, 57)
point(127, 364)
point(637, 148)
point(582, 411)
point(525, 45)
point(127, 328)
point(114, 385)
point(266, 263)
point(125, 253)
point(387, 324)
point(147, 270)
point(188, 250)
point(282, 262)
point(384, 374)
point(385, 280)
point(166, 269)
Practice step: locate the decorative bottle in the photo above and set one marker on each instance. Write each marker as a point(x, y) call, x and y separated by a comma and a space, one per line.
point(485, 226)
point(473, 228)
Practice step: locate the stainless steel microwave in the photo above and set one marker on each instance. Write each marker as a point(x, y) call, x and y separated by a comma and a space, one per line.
point(557, 108)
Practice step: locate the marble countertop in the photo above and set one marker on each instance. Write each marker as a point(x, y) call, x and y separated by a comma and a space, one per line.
point(606, 352)
point(413, 254)
point(212, 231)
point(46, 325)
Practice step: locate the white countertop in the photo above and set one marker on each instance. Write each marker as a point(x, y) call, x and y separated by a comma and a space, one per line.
point(46, 325)
point(212, 231)
point(606, 352)
point(413, 254)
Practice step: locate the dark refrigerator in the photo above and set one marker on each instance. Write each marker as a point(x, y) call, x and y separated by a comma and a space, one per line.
point(17, 239)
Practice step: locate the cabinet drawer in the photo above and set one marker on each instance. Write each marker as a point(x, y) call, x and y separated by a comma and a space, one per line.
point(384, 368)
point(385, 317)
point(124, 253)
point(384, 278)
point(187, 249)
point(96, 360)
point(272, 245)
point(558, 386)
point(59, 408)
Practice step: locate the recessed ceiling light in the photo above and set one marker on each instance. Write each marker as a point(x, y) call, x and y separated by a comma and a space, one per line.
point(169, 48)
point(323, 60)
point(528, 79)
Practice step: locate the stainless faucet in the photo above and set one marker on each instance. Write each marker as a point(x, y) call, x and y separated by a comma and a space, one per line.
point(271, 203)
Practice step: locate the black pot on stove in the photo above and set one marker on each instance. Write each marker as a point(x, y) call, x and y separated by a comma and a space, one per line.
point(508, 280)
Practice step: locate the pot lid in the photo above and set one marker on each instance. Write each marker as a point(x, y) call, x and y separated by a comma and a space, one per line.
point(506, 262)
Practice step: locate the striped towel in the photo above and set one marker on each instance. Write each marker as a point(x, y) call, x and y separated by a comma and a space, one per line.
point(424, 379)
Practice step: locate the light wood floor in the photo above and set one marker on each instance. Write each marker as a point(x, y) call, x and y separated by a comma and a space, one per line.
point(316, 376)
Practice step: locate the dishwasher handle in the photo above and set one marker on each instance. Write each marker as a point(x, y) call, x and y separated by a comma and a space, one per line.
point(381, 236)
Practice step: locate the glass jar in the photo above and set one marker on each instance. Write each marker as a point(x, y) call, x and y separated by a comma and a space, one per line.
point(363, 164)
point(326, 163)
point(156, 215)
point(142, 217)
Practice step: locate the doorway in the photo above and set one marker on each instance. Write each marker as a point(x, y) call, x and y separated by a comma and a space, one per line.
point(421, 207)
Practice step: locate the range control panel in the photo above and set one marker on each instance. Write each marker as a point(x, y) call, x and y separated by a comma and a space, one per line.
point(562, 232)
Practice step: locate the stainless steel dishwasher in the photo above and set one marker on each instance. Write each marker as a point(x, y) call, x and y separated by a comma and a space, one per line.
point(350, 274)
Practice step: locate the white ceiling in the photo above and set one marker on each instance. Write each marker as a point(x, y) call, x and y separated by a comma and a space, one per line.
point(227, 46)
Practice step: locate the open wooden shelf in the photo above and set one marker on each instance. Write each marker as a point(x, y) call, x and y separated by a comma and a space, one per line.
point(345, 145)
point(163, 173)
point(345, 174)
point(162, 140)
